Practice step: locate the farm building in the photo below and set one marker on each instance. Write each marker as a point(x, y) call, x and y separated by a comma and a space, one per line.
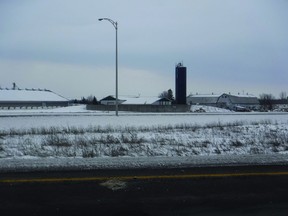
point(110, 100)
point(208, 100)
point(228, 101)
point(139, 104)
point(238, 102)
point(30, 98)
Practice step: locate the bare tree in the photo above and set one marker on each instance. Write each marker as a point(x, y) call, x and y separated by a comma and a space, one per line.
point(283, 95)
point(167, 94)
point(92, 99)
point(266, 101)
point(163, 94)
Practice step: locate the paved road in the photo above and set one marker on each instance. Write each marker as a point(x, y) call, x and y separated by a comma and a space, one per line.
point(228, 190)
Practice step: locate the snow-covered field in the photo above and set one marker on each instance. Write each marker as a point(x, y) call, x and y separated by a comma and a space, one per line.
point(78, 116)
point(79, 134)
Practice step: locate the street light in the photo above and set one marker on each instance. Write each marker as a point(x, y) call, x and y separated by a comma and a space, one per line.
point(115, 24)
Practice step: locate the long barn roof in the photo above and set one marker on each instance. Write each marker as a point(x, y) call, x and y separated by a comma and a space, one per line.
point(22, 95)
point(135, 100)
point(213, 99)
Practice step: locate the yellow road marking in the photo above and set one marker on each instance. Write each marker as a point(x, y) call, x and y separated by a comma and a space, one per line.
point(151, 177)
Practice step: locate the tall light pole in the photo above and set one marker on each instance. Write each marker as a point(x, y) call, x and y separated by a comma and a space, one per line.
point(115, 24)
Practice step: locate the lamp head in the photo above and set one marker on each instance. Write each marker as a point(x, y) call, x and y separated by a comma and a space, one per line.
point(100, 19)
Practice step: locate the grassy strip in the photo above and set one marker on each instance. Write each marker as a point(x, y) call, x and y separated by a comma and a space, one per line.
point(237, 137)
point(128, 129)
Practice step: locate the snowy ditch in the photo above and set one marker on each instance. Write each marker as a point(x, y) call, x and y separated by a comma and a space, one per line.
point(240, 137)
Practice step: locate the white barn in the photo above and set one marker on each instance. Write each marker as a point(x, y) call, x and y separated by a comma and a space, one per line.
point(238, 102)
point(228, 101)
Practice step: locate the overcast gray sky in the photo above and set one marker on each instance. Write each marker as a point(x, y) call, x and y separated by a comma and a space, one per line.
point(227, 46)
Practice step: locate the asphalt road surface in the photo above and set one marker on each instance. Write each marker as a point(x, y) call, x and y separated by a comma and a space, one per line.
point(228, 190)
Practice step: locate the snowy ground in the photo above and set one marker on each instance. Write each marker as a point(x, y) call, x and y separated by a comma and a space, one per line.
point(74, 134)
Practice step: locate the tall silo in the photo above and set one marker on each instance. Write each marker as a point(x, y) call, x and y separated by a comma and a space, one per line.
point(181, 83)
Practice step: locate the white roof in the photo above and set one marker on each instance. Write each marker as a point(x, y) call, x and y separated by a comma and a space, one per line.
point(29, 95)
point(218, 95)
point(205, 95)
point(139, 100)
point(243, 95)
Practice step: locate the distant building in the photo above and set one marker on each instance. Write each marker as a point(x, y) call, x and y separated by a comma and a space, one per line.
point(238, 102)
point(208, 100)
point(30, 98)
point(228, 101)
point(111, 100)
point(180, 84)
point(139, 104)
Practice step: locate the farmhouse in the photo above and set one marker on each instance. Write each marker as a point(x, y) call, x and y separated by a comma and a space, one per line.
point(228, 101)
point(110, 100)
point(30, 98)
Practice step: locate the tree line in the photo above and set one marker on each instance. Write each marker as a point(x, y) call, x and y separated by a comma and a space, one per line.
point(268, 101)
point(88, 100)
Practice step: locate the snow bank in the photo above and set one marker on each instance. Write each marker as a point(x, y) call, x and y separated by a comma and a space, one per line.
point(208, 109)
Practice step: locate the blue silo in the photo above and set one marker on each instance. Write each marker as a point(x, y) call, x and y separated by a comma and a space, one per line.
point(181, 83)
